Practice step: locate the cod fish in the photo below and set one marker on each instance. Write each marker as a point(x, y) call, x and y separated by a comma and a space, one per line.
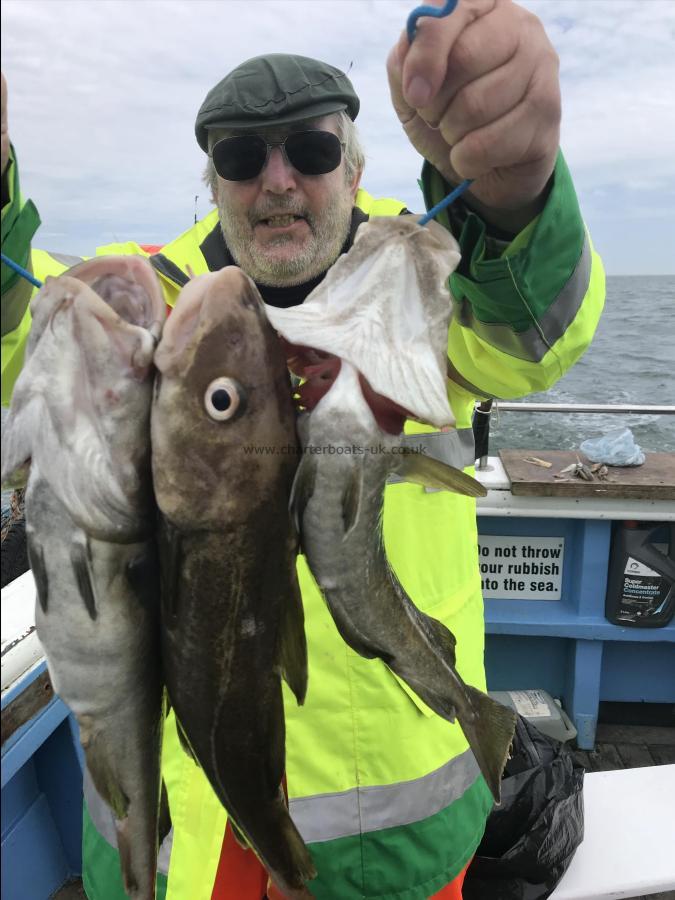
point(79, 426)
point(224, 453)
point(383, 311)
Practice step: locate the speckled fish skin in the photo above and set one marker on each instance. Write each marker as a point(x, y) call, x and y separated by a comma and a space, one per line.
point(80, 416)
point(232, 619)
point(338, 500)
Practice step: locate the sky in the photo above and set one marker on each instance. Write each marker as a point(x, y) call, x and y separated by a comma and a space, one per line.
point(103, 96)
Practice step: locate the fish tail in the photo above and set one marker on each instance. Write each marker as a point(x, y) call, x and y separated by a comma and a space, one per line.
point(488, 727)
point(139, 880)
point(136, 816)
point(299, 862)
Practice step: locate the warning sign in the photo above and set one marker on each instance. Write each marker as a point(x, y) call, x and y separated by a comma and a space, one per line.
point(521, 568)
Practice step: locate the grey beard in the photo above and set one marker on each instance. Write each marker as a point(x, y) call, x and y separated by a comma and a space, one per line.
point(329, 231)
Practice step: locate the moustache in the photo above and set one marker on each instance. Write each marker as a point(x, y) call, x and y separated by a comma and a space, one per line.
point(279, 208)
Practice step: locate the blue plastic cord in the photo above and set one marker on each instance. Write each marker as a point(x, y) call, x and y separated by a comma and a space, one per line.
point(437, 12)
point(446, 201)
point(24, 273)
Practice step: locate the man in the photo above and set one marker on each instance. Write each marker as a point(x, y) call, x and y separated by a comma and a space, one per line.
point(386, 794)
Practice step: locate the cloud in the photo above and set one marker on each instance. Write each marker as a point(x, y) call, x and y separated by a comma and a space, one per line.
point(103, 98)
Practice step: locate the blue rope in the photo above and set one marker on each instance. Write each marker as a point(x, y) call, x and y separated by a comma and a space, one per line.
point(446, 201)
point(24, 273)
point(437, 12)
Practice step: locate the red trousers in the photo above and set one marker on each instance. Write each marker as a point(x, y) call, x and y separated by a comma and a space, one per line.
point(241, 876)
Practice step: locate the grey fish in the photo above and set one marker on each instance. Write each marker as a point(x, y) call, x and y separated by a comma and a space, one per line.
point(384, 309)
point(79, 427)
point(338, 501)
point(232, 614)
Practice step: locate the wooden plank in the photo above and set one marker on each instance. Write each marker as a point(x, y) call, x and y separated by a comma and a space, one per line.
point(654, 480)
point(634, 755)
point(663, 754)
point(605, 758)
point(22, 709)
point(635, 734)
point(582, 757)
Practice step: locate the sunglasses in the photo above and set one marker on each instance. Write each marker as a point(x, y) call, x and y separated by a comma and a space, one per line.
point(244, 157)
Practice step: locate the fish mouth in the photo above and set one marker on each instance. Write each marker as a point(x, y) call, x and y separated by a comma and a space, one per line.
point(128, 285)
point(319, 371)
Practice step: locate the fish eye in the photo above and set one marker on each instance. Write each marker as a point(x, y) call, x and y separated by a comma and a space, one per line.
point(223, 399)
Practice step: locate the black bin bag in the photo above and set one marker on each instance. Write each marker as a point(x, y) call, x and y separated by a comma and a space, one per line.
point(532, 835)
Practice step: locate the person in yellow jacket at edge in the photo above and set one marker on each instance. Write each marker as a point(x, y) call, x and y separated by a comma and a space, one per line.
point(387, 795)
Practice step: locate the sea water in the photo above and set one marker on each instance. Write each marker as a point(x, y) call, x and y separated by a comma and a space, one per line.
point(631, 360)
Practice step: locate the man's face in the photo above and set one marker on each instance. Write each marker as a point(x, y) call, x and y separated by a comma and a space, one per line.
point(282, 227)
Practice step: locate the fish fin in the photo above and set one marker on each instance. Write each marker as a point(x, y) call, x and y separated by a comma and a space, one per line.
point(292, 642)
point(81, 562)
point(169, 540)
point(302, 863)
point(102, 769)
point(164, 821)
point(302, 490)
point(488, 727)
point(138, 879)
point(442, 644)
point(126, 856)
point(141, 573)
point(427, 471)
point(36, 557)
point(298, 860)
point(442, 639)
point(18, 433)
point(351, 498)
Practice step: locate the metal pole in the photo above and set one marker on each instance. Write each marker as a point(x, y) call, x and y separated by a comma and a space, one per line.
point(614, 408)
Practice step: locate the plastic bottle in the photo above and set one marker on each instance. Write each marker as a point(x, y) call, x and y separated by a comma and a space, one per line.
point(641, 584)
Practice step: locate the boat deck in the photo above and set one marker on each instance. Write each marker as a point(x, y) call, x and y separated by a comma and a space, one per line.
point(628, 747)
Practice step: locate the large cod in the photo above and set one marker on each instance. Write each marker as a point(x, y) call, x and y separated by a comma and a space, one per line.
point(224, 453)
point(382, 314)
point(79, 427)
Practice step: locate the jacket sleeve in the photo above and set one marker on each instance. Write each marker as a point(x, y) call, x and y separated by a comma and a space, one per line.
point(20, 221)
point(524, 311)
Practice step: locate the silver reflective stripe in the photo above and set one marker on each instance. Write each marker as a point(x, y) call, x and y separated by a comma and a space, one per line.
point(104, 823)
point(535, 342)
point(327, 817)
point(65, 259)
point(454, 375)
point(454, 448)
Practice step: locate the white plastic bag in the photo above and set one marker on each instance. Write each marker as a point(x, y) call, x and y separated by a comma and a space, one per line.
point(616, 448)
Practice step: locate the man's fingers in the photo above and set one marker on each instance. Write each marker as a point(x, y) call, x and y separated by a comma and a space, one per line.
point(486, 44)
point(425, 63)
point(485, 100)
point(523, 135)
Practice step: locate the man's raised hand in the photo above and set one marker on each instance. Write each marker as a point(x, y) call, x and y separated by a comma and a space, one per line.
point(478, 95)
